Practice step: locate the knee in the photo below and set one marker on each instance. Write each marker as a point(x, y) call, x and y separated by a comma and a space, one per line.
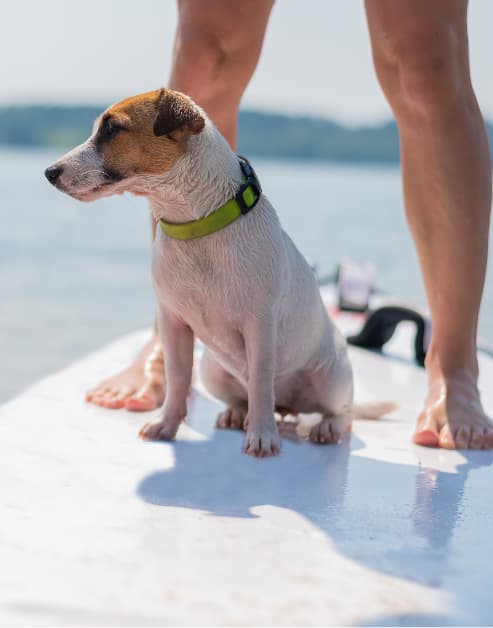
point(208, 50)
point(218, 60)
point(424, 73)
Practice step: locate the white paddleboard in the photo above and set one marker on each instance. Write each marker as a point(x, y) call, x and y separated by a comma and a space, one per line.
point(100, 528)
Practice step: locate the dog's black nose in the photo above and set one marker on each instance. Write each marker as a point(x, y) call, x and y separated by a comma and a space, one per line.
point(52, 173)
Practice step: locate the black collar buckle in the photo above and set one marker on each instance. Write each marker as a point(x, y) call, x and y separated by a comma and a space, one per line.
point(252, 182)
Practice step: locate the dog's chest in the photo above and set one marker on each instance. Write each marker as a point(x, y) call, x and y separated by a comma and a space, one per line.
point(212, 316)
point(201, 292)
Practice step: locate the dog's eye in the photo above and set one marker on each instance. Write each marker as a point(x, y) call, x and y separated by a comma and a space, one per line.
point(110, 129)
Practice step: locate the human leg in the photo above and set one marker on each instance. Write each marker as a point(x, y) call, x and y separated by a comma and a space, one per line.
point(421, 59)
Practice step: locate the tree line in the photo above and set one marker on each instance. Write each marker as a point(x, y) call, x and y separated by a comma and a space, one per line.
point(260, 134)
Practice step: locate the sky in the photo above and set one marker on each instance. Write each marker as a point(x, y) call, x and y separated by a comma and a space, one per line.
point(316, 57)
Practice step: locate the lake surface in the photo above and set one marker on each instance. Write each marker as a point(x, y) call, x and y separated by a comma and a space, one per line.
point(76, 275)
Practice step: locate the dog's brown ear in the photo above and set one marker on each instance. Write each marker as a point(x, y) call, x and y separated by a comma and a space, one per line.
point(176, 116)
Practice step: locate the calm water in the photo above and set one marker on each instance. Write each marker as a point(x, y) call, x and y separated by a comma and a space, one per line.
point(75, 275)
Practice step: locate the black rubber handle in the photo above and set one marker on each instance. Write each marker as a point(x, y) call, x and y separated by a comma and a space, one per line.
point(380, 327)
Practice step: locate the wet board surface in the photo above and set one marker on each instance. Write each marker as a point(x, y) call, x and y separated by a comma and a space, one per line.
point(100, 528)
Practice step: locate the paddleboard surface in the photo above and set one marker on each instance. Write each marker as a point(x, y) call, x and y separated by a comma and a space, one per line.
point(100, 528)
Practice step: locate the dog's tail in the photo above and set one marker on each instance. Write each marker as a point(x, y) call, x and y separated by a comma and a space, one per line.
point(373, 410)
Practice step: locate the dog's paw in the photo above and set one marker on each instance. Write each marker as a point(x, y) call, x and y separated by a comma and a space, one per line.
point(262, 442)
point(233, 418)
point(330, 430)
point(162, 430)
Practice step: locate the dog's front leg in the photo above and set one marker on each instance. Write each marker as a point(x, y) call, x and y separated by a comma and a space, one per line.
point(177, 341)
point(262, 436)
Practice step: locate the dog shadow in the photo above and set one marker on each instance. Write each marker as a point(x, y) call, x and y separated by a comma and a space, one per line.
point(394, 518)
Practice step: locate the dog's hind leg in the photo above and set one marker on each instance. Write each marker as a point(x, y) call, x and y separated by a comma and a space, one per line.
point(227, 388)
point(331, 429)
point(333, 387)
point(234, 418)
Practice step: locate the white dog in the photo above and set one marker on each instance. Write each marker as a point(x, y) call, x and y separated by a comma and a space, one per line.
point(223, 270)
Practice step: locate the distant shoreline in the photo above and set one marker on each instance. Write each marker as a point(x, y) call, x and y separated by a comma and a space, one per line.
point(269, 135)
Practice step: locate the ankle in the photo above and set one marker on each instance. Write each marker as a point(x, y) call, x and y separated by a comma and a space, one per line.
point(154, 359)
point(450, 366)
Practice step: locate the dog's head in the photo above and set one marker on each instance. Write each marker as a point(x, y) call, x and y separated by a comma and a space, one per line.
point(136, 139)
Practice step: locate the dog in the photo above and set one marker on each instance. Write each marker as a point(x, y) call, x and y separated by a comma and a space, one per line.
point(242, 288)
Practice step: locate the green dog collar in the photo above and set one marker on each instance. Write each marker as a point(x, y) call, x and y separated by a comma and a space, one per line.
point(244, 201)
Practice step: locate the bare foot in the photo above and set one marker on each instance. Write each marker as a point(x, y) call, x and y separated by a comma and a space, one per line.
point(330, 430)
point(453, 417)
point(139, 387)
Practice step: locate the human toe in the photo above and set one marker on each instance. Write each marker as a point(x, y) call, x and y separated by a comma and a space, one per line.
point(143, 400)
point(426, 433)
point(462, 437)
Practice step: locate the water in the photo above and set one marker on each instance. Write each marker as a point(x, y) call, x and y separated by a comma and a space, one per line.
point(75, 275)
